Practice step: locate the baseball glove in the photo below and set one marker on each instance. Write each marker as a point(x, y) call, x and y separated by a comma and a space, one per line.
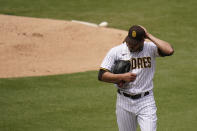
point(121, 66)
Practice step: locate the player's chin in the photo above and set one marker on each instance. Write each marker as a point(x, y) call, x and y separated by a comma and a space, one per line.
point(135, 51)
point(132, 50)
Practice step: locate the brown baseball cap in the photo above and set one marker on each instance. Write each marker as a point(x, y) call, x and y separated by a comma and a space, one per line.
point(136, 34)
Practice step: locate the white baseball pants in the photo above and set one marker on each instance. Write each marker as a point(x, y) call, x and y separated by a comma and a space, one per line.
point(129, 112)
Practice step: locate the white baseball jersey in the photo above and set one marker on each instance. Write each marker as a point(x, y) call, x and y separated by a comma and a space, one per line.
point(129, 112)
point(142, 63)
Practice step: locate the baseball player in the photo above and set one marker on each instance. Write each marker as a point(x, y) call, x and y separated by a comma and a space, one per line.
point(135, 100)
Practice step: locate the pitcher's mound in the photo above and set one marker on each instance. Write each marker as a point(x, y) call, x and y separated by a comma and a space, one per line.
point(32, 46)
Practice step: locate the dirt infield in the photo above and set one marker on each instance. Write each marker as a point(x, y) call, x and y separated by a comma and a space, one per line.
point(34, 47)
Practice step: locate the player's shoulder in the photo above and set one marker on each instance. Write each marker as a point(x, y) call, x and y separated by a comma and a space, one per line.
point(149, 44)
point(118, 48)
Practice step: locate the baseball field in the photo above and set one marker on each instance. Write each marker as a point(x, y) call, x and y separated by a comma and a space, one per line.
point(78, 101)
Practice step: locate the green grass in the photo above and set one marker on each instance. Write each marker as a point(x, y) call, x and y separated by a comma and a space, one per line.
point(79, 101)
point(57, 103)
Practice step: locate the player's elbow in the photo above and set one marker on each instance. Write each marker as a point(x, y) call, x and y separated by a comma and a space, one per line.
point(170, 52)
point(100, 74)
point(167, 52)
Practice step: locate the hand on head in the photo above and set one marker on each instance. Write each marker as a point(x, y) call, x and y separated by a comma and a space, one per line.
point(146, 32)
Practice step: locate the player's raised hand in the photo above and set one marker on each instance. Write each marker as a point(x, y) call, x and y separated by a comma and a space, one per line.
point(146, 32)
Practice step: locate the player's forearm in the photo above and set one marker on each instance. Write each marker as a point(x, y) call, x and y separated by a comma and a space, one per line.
point(164, 46)
point(111, 78)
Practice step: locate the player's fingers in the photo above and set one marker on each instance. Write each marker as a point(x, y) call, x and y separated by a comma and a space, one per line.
point(143, 28)
point(132, 79)
point(133, 75)
point(128, 77)
point(121, 83)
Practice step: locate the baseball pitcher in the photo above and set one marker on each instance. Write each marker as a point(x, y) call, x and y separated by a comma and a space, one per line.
point(131, 66)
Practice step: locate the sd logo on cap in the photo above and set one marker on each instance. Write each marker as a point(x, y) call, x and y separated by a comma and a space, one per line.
point(133, 34)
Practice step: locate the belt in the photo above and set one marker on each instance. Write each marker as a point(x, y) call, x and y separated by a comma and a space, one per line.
point(133, 96)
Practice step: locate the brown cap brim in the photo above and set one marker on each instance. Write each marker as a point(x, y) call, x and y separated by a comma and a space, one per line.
point(132, 41)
